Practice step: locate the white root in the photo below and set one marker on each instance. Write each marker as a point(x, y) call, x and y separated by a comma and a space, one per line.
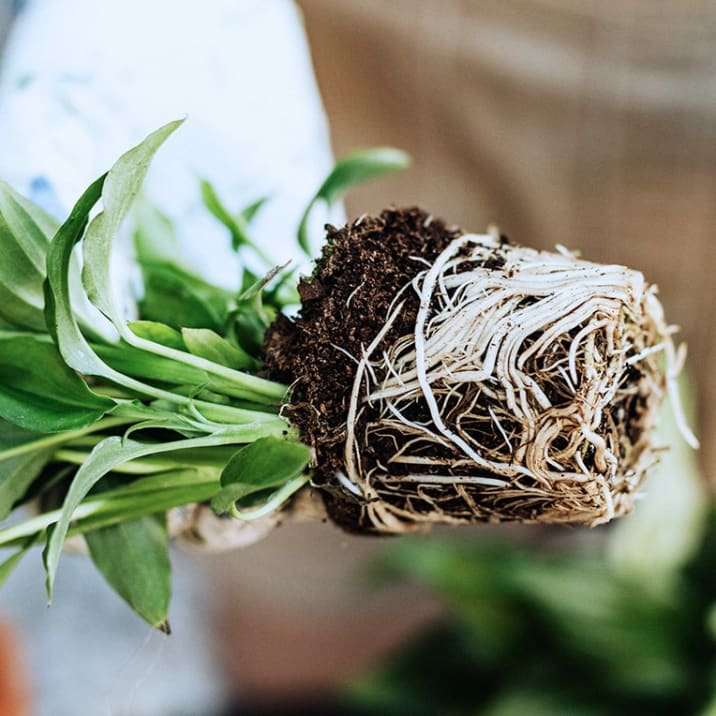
point(528, 390)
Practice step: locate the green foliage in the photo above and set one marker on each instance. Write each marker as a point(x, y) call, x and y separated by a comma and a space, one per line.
point(40, 392)
point(62, 323)
point(205, 343)
point(133, 556)
point(237, 224)
point(158, 333)
point(110, 423)
point(119, 191)
point(349, 171)
point(180, 299)
point(262, 466)
point(529, 631)
point(25, 231)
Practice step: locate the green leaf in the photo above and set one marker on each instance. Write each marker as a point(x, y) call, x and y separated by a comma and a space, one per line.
point(120, 188)
point(249, 327)
point(27, 220)
point(105, 456)
point(61, 321)
point(253, 286)
point(7, 566)
point(24, 454)
point(249, 212)
point(25, 231)
point(350, 170)
point(179, 299)
point(18, 312)
point(358, 167)
point(208, 473)
point(17, 474)
point(267, 463)
point(134, 558)
point(173, 294)
point(110, 453)
point(125, 178)
point(236, 225)
point(207, 344)
point(39, 392)
point(159, 369)
point(141, 498)
point(119, 191)
point(140, 364)
point(154, 234)
point(158, 333)
point(252, 316)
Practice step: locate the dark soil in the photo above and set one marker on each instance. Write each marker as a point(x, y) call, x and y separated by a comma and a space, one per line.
point(344, 305)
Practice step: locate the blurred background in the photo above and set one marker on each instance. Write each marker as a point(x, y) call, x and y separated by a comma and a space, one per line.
point(589, 124)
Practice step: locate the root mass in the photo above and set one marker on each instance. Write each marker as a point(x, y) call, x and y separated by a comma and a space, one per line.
point(453, 378)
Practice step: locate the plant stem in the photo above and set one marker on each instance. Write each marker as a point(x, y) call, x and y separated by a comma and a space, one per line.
point(60, 438)
point(101, 511)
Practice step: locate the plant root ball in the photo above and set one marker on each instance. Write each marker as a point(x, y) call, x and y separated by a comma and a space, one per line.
point(444, 377)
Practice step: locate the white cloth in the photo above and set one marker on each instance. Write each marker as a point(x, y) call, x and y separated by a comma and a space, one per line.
point(84, 81)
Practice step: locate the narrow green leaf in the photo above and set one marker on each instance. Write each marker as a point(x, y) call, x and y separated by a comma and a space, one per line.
point(137, 363)
point(172, 489)
point(154, 236)
point(249, 212)
point(39, 392)
point(267, 463)
point(119, 191)
point(358, 167)
point(252, 316)
point(236, 225)
point(134, 559)
point(249, 327)
point(121, 187)
point(27, 224)
point(207, 474)
point(110, 453)
point(126, 176)
point(7, 566)
point(350, 170)
point(158, 333)
point(61, 321)
point(16, 475)
point(207, 344)
point(173, 294)
point(140, 364)
point(18, 312)
point(253, 290)
point(178, 298)
point(25, 231)
point(27, 219)
point(181, 301)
